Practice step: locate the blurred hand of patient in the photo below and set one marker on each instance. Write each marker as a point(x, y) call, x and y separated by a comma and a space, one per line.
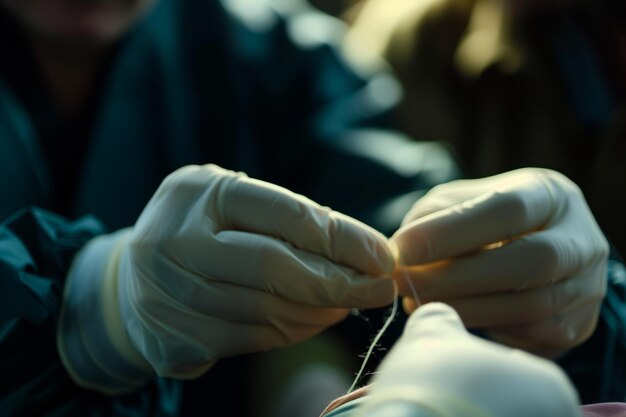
point(438, 369)
point(218, 264)
point(518, 254)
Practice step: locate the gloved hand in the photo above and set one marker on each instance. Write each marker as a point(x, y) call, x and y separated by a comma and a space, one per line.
point(518, 254)
point(217, 265)
point(438, 369)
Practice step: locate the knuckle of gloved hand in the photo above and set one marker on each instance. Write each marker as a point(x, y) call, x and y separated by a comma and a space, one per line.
point(546, 257)
point(519, 207)
point(581, 255)
point(564, 181)
point(547, 302)
point(183, 184)
point(180, 175)
point(561, 333)
point(563, 295)
point(560, 183)
point(549, 173)
point(151, 239)
point(602, 248)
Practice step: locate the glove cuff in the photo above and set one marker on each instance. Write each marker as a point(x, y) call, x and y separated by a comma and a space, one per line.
point(91, 338)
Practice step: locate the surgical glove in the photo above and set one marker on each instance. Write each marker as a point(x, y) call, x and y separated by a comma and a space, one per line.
point(518, 254)
point(438, 369)
point(218, 264)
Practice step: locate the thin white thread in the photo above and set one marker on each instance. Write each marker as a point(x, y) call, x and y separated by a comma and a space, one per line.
point(405, 275)
point(383, 329)
point(377, 338)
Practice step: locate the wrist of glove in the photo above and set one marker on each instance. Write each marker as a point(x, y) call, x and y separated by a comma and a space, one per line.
point(92, 338)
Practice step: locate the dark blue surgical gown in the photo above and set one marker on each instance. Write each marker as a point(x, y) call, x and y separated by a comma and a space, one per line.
point(241, 84)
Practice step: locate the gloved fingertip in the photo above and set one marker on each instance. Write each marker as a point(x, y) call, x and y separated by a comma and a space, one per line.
point(438, 314)
point(436, 310)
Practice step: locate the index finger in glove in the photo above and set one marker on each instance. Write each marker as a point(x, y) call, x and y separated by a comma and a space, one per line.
point(488, 218)
point(272, 265)
point(256, 206)
point(532, 261)
point(434, 318)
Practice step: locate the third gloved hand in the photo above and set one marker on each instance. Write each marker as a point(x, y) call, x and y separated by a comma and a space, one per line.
point(438, 369)
point(518, 254)
point(218, 264)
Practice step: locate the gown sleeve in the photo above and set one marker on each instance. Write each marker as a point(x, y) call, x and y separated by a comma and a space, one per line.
point(36, 250)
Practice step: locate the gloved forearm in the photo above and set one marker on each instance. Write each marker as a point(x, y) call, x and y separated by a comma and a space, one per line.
point(92, 339)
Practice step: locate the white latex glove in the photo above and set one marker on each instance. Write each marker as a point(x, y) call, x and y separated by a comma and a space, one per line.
point(218, 264)
point(518, 254)
point(438, 369)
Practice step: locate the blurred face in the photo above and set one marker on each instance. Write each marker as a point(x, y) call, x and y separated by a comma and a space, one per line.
point(77, 21)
